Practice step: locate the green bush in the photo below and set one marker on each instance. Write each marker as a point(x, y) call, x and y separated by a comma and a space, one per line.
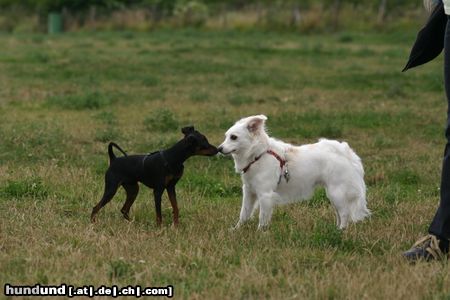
point(191, 13)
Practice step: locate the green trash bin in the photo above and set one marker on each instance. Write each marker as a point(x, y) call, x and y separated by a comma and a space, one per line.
point(55, 23)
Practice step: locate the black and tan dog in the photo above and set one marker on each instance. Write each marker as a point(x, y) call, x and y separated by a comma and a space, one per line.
point(159, 171)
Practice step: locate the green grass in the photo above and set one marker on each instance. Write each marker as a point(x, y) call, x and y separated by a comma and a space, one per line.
point(161, 120)
point(63, 98)
point(91, 100)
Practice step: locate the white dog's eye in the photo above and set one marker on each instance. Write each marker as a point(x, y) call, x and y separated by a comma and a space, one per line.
point(233, 137)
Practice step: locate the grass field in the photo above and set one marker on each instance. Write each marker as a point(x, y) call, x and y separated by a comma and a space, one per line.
point(63, 98)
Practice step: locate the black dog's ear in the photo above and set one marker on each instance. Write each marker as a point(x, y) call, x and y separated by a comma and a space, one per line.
point(187, 130)
point(191, 140)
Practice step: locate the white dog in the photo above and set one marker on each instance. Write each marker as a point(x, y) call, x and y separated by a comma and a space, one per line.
point(274, 172)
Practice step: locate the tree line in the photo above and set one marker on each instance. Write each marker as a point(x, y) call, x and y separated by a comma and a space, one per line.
point(168, 6)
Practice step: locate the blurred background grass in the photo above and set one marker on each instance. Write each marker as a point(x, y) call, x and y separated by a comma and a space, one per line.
point(305, 16)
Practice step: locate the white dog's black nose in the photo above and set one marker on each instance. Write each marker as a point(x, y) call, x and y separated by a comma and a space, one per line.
point(220, 149)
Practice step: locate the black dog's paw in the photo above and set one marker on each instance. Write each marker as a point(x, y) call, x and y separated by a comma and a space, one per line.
point(126, 216)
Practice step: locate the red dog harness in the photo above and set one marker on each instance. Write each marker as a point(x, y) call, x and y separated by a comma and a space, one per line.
point(282, 161)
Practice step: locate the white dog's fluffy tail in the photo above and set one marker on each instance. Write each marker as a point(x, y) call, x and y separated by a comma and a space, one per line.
point(357, 205)
point(344, 149)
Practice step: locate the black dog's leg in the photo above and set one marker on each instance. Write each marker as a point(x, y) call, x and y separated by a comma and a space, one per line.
point(132, 190)
point(157, 193)
point(173, 201)
point(111, 186)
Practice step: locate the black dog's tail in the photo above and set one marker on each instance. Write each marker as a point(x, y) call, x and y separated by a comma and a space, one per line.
point(111, 154)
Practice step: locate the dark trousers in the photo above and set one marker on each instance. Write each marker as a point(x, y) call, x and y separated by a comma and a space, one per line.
point(440, 226)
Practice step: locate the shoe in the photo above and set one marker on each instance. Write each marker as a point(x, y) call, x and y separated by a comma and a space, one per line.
point(427, 249)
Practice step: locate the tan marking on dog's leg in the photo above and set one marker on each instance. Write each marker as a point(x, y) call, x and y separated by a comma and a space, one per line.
point(173, 201)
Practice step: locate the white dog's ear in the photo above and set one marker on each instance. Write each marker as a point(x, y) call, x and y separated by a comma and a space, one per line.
point(256, 123)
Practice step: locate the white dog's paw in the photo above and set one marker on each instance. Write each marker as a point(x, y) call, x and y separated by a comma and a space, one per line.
point(235, 227)
point(263, 227)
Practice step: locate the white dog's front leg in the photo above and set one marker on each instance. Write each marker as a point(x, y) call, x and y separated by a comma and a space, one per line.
point(265, 210)
point(248, 202)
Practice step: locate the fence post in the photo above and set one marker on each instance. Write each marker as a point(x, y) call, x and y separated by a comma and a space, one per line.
point(54, 22)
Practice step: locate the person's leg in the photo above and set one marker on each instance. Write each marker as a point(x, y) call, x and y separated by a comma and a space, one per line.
point(436, 245)
point(440, 226)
